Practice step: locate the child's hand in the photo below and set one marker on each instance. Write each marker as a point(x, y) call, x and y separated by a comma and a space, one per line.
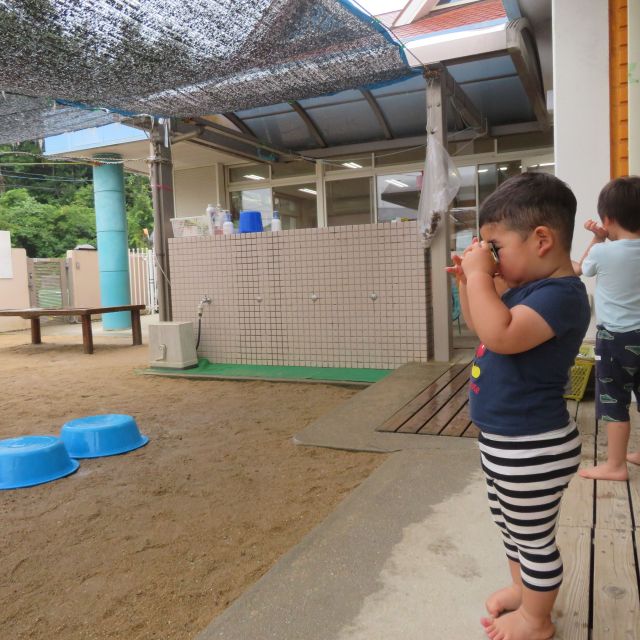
point(478, 258)
point(600, 233)
point(456, 270)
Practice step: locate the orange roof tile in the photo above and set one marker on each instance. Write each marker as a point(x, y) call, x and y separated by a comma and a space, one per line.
point(453, 18)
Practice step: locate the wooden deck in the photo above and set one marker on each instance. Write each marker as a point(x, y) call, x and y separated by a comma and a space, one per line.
point(441, 409)
point(599, 532)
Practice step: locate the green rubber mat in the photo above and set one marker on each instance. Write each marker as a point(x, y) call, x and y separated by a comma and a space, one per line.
point(206, 369)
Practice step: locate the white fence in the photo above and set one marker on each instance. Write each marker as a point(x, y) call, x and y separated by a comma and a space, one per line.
point(142, 278)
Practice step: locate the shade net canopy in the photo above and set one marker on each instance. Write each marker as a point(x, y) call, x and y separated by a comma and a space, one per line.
point(171, 58)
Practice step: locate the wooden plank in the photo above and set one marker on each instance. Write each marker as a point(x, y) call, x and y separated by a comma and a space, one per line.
point(616, 614)
point(471, 432)
point(409, 409)
point(459, 423)
point(442, 420)
point(571, 611)
point(421, 417)
point(634, 469)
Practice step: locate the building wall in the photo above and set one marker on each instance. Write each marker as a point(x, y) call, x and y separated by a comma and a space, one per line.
point(633, 36)
point(14, 292)
point(618, 74)
point(368, 280)
point(581, 107)
point(84, 278)
point(194, 189)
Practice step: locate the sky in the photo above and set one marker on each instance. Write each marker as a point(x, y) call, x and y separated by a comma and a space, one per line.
point(381, 6)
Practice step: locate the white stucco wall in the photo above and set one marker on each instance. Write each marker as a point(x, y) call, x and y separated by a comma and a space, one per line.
point(194, 189)
point(14, 291)
point(581, 106)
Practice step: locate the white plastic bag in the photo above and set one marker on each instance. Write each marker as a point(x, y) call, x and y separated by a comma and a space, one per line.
point(440, 184)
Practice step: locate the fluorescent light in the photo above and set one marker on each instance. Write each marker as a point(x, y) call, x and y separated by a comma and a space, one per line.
point(503, 168)
point(352, 165)
point(547, 164)
point(397, 183)
point(305, 190)
point(253, 176)
point(483, 170)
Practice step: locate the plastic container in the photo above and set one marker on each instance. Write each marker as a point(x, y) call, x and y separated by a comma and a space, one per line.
point(250, 222)
point(102, 435)
point(276, 223)
point(227, 225)
point(31, 460)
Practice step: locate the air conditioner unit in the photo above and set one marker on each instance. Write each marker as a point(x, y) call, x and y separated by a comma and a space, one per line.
point(172, 345)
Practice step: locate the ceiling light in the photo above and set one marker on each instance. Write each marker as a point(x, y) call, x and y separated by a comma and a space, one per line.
point(546, 164)
point(305, 190)
point(483, 170)
point(352, 165)
point(253, 176)
point(397, 183)
point(503, 168)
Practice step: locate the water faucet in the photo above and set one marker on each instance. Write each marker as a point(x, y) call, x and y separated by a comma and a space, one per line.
point(206, 299)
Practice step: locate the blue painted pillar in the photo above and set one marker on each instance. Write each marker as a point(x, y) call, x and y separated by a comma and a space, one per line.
point(113, 248)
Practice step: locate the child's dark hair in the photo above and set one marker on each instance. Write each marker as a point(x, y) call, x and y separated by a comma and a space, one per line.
point(530, 200)
point(619, 200)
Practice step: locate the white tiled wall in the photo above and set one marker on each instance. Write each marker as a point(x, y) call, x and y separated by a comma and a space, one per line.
point(352, 296)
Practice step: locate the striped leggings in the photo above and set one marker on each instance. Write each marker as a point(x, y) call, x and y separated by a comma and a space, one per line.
point(526, 477)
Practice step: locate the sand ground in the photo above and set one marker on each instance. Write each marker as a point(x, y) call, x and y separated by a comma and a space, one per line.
point(157, 542)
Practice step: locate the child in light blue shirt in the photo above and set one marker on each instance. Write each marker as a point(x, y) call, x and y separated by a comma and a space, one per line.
point(616, 265)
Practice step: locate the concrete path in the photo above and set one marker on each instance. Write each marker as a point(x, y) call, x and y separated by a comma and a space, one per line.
point(411, 554)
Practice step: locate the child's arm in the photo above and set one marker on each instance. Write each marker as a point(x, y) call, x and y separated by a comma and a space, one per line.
point(599, 235)
point(501, 329)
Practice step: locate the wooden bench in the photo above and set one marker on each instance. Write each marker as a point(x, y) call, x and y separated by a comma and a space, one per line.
point(84, 313)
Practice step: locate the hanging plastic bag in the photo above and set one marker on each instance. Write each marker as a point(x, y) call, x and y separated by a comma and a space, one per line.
point(440, 184)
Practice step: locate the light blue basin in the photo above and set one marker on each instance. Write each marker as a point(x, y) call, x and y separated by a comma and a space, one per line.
point(30, 460)
point(102, 435)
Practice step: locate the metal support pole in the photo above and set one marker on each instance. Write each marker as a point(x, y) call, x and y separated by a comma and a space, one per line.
point(163, 210)
point(440, 252)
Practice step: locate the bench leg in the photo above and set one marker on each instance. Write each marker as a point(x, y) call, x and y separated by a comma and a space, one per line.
point(36, 338)
point(136, 329)
point(87, 335)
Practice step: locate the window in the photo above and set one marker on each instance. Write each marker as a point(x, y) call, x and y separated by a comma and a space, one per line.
point(491, 176)
point(249, 173)
point(349, 201)
point(297, 205)
point(398, 195)
point(252, 200)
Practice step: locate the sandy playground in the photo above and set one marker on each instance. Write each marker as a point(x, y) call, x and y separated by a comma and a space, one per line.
point(157, 542)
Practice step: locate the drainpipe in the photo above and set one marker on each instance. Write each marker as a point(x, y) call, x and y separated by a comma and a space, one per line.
point(113, 249)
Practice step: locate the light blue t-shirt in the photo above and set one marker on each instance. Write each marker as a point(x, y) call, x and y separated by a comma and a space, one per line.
point(616, 266)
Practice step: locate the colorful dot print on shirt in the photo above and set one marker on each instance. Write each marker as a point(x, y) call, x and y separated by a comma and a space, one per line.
point(476, 370)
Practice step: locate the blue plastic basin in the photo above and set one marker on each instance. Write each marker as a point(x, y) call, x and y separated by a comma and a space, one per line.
point(102, 435)
point(30, 460)
point(250, 222)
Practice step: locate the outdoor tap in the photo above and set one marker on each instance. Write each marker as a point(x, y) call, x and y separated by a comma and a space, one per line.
point(204, 300)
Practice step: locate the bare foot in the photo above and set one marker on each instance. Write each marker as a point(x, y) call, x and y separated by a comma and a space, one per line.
point(515, 626)
point(507, 599)
point(605, 472)
point(634, 458)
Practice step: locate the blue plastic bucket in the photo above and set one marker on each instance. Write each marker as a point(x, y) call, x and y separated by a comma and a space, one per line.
point(30, 460)
point(103, 435)
point(250, 222)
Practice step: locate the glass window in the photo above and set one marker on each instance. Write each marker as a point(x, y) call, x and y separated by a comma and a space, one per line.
point(294, 168)
point(349, 201)
point(349, 163)
point(543, 167)
point(297, 205)
point(491, 176)
point(252, 200)
point(249, 172)
point(398, 195)
point(464, 213)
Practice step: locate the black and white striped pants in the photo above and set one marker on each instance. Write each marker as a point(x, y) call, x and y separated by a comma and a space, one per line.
point(526, 477)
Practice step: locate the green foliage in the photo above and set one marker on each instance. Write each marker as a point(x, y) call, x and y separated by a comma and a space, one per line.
point(49, 208)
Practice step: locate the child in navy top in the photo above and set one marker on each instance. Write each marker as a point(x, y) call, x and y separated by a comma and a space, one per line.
point(530, 335)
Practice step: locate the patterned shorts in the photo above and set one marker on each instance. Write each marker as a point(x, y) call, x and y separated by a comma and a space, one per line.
point(617, 373)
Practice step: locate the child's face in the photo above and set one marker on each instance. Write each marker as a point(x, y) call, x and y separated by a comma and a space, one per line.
point(517, 257)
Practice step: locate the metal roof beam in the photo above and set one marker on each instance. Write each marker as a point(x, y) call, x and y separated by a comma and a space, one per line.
point(241, 124)
point(309, 123)
point(377, 112)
